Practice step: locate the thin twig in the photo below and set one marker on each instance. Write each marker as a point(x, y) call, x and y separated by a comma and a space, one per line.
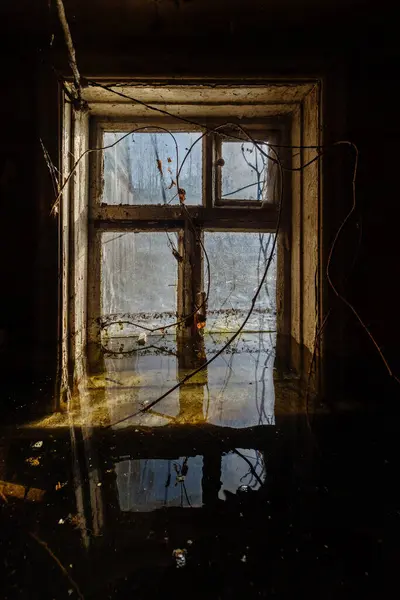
point(52, 169)
point(186, 494)
point(251, 467)
point(70, 47)
point(335, 240)
point(60, 565)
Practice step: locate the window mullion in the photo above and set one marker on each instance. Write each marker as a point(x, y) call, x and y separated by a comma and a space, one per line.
point(209, 156)
point(190, 278)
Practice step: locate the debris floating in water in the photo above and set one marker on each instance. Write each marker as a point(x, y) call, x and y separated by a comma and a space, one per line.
point(33, 461)
point(180, 557)
point(60, 485)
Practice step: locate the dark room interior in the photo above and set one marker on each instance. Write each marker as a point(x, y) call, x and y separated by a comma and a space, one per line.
point(198, 333)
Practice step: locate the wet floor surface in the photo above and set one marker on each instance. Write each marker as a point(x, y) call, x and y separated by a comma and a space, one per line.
point(237, 390)
point(197, 507)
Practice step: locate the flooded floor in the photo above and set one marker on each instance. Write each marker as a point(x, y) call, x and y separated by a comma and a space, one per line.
point(227, 489)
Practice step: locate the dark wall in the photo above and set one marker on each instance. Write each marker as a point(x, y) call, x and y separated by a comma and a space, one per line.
point(356, 50)
point(372, 287)
point(18, 197)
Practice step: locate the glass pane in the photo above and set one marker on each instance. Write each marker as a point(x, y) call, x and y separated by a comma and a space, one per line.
point(238, 262)
point(244, 174)
point(138, 280)
point(142, 168)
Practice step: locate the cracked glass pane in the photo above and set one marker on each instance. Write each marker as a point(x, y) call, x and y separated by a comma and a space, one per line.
point(143, 168)
point(244, 174)
point(238, 262)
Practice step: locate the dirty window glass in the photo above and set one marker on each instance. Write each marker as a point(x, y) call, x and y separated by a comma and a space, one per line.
point(238, 261)
point(138, 280)
point(142, 168)
point(244, 174)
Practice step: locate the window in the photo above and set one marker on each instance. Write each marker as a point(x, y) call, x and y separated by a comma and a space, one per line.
point(183, 227)
point(243, 178)
point(132, 254)
point(148, 484)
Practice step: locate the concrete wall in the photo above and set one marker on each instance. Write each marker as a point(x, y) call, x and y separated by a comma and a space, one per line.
point(306, 274)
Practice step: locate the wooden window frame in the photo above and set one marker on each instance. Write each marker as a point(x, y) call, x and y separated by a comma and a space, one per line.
point(212, 215)
point(294, 107)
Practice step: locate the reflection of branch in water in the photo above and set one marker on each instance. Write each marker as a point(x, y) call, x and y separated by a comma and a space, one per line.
point(227, 377)
point(208, 401)
point(159, 414)
point(250, 465)
point(138, 350)
point(270, 352)
point(186, 494)
point(58, 563)
point(113, 380)
point(181, 472)
point(259, 460)
point(262, 405)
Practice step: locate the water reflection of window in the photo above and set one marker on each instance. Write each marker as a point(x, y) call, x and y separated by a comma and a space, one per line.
point(149, 484)
point(241, 467)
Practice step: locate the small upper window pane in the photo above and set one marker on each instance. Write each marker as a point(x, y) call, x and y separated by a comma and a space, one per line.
point(244, 174)
point(143, 168)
